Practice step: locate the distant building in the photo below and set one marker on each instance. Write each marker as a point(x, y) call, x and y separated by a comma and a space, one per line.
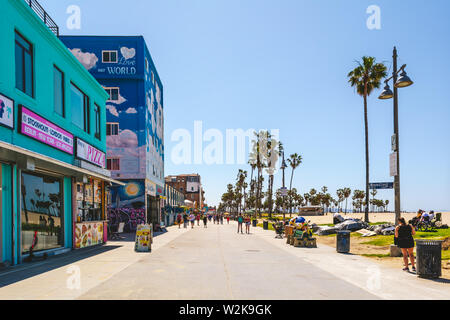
point(190, 185)
point(135, 122)
point(173, 203)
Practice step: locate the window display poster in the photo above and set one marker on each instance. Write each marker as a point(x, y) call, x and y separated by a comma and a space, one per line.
point(143, 238)
point(88, 234)
point(6, 112)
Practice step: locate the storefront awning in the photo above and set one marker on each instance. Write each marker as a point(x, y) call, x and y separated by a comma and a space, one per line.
point(9, 149)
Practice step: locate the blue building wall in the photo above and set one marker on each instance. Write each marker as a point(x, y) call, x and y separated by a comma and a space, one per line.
point(139, 111)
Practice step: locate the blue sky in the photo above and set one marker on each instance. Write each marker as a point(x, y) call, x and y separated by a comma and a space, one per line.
point(283, 65)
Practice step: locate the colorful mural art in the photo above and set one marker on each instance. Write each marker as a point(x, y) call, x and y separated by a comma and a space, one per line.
point(134, 116)
point(128, 205)
point(135, 110)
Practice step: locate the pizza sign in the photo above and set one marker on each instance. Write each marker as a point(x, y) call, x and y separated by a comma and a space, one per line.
point(91, 154)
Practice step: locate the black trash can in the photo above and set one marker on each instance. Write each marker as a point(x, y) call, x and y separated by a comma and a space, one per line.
point(343, 241)
point(255, 222)
point(429, 258)
point(266, 225)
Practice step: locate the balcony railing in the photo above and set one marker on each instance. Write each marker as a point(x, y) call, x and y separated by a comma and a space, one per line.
point(37, 8)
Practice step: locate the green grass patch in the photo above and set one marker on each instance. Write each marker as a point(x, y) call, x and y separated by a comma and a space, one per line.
point(270, 226)
point(446, 255)
point(377, 223)
point(376, 255)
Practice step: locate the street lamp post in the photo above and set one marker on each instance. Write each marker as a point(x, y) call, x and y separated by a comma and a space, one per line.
point(402, 82)
point(283, 167)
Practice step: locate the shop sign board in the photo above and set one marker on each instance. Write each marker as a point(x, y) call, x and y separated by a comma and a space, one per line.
point(144, 235)
point(88, 234)
point(40, 129)
point(150, 188)
point(6, 111)
point(393, 164)
point(90, 154)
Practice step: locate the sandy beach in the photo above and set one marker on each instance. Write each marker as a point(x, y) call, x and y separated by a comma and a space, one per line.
point(373, 217)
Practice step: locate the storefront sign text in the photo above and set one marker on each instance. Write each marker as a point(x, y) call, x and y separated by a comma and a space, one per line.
point(44, 131)
point(91, 154)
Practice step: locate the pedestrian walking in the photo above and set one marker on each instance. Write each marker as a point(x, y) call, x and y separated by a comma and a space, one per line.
point(247, 224)
point(179, 219)
point(240, 222)
point(192, 220)
point(198, 219)
point(205, 221)
point(185, 220)
point(228, 219)
point(404, 239)
point(221, 219)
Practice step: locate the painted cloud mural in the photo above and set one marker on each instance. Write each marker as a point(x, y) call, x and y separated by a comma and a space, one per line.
point(87, 59)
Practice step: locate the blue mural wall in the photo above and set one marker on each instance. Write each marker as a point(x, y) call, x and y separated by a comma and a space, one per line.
point(139, 109)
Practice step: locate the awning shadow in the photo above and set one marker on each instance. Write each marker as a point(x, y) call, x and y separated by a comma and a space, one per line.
point(25, 271)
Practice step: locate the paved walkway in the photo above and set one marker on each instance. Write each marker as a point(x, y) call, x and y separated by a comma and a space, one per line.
point(217, 263)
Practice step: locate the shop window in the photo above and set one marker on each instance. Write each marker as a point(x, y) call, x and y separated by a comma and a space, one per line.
point(97, 121)
point(113, 164)
point(58, 91)
point(41, 213)
point(112, 129)
point(109, 56)
point(89, 201)
point(24, 65)
point(113, 93)
point(80, 108)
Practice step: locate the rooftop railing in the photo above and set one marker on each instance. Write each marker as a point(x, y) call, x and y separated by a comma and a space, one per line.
point(37, 8)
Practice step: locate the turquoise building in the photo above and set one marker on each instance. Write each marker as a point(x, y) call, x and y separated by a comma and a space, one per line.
point(54, 182)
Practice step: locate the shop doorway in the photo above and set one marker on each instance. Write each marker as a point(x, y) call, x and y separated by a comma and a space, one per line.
point(153, 207)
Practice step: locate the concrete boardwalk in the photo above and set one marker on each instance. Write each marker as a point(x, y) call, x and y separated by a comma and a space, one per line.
point(216, 263)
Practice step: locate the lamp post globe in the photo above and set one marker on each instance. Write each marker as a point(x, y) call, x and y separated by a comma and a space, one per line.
point(386, 94)
point(404, 81)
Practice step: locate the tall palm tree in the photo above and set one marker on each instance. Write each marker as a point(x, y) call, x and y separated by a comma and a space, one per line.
point(346, 192)
point(365, 78)
point(294, 161)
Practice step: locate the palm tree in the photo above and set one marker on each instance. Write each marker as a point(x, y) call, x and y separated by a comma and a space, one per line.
point(373, 193)
point(365, 78)
point(294, 161)
point(340, 194)
point(346, 192)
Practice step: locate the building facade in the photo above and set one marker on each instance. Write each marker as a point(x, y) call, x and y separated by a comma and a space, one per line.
point(135, 122)
point(191, 187)
point(173, 203)
point(54, 183)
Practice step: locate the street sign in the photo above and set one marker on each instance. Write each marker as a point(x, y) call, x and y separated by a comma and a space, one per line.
point(284, 192)
point(393, 164)
point(394, 143)
point(381, 185)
